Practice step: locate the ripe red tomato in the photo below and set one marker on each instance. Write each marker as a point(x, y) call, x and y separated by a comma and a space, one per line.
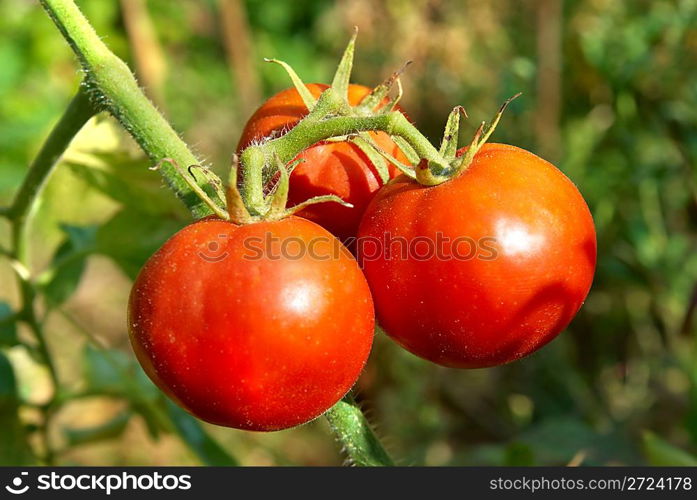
point(338, 168)
point(521, 269)
point(243, 330)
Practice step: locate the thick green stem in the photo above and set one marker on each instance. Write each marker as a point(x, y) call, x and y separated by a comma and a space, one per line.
point(307, 133)
point(113, 86)
point(353, 432)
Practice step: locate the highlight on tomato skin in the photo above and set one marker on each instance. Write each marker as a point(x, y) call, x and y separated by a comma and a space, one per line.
point(338, 168)
point(248, 336)
point(481, 310)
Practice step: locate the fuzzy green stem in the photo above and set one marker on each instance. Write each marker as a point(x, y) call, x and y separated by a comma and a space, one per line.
point(113, 86)
point(76, 115)
point(353, 432)
point(314, 128)
point(307, 133)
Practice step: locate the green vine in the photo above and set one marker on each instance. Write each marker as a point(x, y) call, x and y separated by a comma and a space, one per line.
point(19, 214)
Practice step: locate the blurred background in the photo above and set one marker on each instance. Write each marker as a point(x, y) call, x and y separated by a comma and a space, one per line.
point(609, 95)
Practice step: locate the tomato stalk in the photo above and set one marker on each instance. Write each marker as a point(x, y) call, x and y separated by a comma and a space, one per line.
point(360, 443)
point(112, 87)
point(331, 117)
point(19, 214)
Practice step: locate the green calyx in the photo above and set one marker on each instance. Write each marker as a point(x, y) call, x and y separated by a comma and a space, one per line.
point(330, 117)
point(273, 204)
point(338, 105)
point(431, 174)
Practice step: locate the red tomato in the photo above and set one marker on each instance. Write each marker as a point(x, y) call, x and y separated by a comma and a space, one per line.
point(338, 168)
point(521, 269)
point(242, 330)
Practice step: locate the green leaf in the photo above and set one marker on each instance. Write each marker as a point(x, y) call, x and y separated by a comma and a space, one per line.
point(365, 144)
point(130, 237)
point(115, 372)
point(556, 441)
point(108, 430)
point(125, 179)
point(68, 263)
point(8, 385)
point(193, 434)
point(661, 453)
point(8, 327)
point(14, 447)
point(519, 454)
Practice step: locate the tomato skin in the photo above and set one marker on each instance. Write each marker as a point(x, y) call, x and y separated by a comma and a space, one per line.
point(479, 312)
point(338, 168)
point(261, 343)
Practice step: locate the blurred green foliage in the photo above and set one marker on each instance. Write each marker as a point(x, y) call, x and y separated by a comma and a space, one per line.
point(610, 101)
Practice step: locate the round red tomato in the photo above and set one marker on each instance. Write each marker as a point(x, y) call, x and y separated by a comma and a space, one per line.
point(338, 168)
point(259, 327)
point(497, 261)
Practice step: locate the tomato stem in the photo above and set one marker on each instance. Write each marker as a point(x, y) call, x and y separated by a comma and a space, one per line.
point(112, 86)
point(331, 117)
point(353, 431)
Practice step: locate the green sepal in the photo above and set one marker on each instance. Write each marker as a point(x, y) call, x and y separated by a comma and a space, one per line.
point(448, 147)
point(406, 170)
point(191, 182)
point(365, 144)
point(406, 148)
point(278, 198)
point(482, 135)
point(236, 208)
point(305, 94)
point(212, 179)
point(372, 101)
point(340, 83)
point(316, 199)
point(432, 174)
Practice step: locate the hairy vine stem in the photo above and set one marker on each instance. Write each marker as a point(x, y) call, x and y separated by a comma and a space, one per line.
point(352, 430)
point(111, 85)
point(19, 214)
point(329, 118)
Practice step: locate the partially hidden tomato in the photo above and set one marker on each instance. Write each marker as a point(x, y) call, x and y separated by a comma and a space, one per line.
point(259, 327)
point(338, 168)
point(500, 259)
